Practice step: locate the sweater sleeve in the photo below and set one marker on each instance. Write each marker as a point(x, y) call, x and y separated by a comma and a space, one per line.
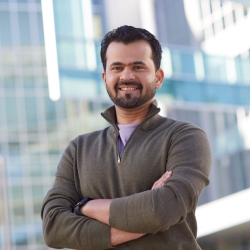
point(61, 227)
point(189, 158)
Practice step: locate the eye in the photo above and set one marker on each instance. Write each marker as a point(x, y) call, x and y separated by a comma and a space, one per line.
point(117, 68)
point(138, 67)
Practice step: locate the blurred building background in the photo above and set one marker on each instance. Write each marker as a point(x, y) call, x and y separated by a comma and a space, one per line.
point(51, 91)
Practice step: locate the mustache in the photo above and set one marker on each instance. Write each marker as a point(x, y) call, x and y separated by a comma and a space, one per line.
point(130, 83)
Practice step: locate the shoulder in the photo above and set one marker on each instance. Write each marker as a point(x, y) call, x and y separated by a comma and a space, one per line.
point(185, 126)
point(91, 137)
point(188, 135)
point(176, 126)
point(184, 134)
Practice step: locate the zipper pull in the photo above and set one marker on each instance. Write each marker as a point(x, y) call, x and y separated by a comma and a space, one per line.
point(119, 160)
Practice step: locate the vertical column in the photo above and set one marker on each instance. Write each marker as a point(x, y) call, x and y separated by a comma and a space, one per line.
point(199, 66)
point(147, 11)
point(51, 49)
point(231, 70)
point(89, 34)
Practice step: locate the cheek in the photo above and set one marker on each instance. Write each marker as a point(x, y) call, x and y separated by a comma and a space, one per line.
point(111, 80)
point(110, 85)
point(148, 81)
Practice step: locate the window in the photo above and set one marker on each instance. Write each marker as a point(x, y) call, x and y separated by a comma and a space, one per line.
point(24, 28)
point(5, 30)
point(11, 113)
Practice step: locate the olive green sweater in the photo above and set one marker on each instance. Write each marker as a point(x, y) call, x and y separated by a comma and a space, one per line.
point(89, 167)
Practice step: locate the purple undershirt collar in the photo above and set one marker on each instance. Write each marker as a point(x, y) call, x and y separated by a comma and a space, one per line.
point(125, 130)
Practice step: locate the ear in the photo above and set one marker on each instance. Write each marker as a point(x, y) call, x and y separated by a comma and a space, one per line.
point(104, 78)
point(159, 77)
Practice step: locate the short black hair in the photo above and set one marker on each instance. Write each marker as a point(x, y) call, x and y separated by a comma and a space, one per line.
point(129, 34)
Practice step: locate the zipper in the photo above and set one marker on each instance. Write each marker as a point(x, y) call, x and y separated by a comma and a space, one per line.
point(114, 125)
point(131, 136)
point(118, 151)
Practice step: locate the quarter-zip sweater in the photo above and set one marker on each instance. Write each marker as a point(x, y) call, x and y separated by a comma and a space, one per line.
point(90, 167)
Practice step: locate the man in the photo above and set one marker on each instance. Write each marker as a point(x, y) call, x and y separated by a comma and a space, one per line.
point(139, 180)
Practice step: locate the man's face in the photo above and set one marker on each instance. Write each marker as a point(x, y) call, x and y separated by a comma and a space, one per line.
point(130, 76)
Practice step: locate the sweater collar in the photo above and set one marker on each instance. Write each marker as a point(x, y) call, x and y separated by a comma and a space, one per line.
point(150, 122)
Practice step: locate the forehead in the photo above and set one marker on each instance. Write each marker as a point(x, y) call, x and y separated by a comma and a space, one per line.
point(127, 53)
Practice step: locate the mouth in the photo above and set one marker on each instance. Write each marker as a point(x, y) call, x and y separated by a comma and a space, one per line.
point(128, 88)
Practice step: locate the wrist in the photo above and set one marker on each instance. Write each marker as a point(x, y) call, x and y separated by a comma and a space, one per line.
point(78, 207)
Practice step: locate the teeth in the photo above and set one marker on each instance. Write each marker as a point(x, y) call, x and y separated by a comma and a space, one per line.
point(128, 88)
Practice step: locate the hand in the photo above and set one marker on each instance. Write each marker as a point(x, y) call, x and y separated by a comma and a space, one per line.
point(117, 236)
point(159, 183)
point(99, 210)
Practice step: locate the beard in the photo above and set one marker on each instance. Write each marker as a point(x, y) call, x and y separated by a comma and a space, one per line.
point(129, 101)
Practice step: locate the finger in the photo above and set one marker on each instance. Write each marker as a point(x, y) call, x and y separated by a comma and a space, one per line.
point(167, 174)
point(159, 183)
point(165, 177)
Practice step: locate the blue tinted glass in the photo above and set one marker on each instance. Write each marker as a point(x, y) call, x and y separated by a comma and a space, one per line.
point(63, 18)
point(245, 66)
point(31, 113)
point(11, 113)
point(238, 67)
point(66, 52)
point(206, 92)
point(1, 236)
point(68, 17)
point(2, 111)
point(176, 62)
point(188, 63)
point(18, 205)
point(14, 166)
point(244, 95)
point(215, 68)
point(14, 148)
point(50, 110)
point(35, 167)
point(28, 82)
point(5, 30)
point(40, 27)
point(183, 62)
point(9, 82)
point(24, 28)
point(20, 236)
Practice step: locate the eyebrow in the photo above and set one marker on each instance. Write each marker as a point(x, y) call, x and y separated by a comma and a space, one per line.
point(119, 63)
point(115, 63)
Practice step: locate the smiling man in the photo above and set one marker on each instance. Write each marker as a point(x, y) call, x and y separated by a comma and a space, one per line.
point(135, 184)
point(131, 83)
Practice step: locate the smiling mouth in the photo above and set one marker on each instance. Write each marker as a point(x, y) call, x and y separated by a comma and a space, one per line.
point(126, 88)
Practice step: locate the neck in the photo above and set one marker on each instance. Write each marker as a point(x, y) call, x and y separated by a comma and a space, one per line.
point(137, 115)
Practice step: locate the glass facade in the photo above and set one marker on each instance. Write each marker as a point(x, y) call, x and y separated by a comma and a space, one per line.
point(219, 15)
point(229, 139)
point(34, 130)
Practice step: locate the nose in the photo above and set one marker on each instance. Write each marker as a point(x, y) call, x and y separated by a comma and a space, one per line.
point(127, 75)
